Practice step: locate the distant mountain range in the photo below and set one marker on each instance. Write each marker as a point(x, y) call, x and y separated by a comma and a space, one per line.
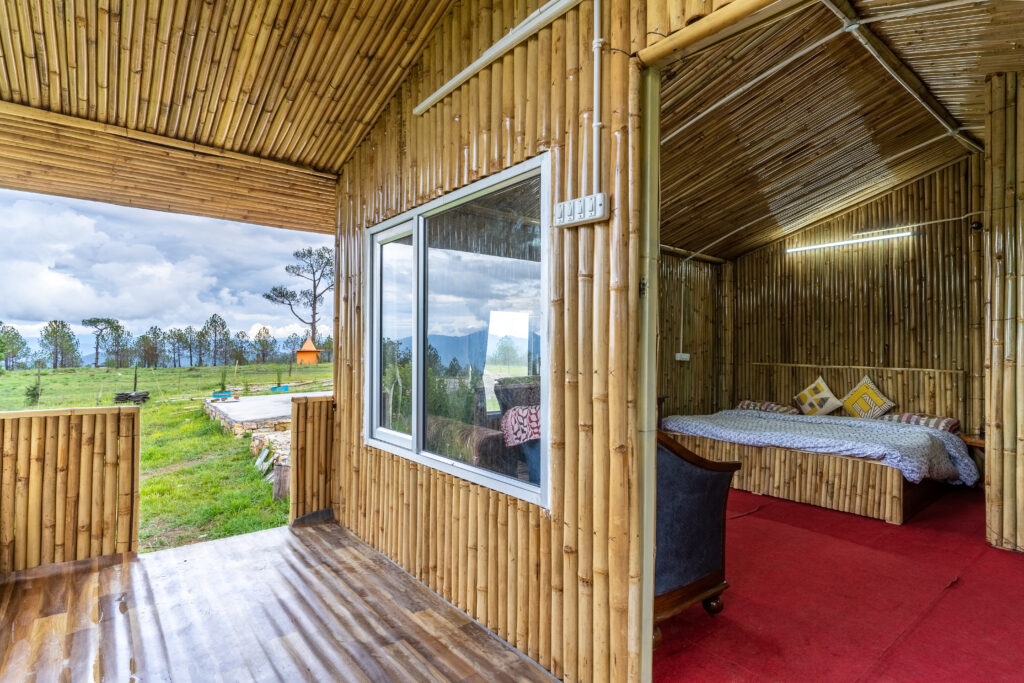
point(469, 349)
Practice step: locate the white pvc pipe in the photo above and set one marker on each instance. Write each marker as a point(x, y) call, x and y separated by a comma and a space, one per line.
point(595, 185)
point(526, 28)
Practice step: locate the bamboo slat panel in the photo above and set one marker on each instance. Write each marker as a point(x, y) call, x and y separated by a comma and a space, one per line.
point(312, 481)
point(898, 310)
point(837, 482)
point(690, 318)
point(1004, 370)
point(44, 154)
point(287, 80)
point(562, 585)
point(983, 35)
point(914, 390)
point(818, 137)
point(69, 485)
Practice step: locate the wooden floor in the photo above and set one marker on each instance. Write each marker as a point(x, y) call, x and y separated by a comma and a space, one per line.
point(311, 603)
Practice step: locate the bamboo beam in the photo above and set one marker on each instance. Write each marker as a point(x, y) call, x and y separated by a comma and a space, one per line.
point(902, 73)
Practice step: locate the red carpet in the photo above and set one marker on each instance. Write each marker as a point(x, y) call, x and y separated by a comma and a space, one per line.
point(819, 595)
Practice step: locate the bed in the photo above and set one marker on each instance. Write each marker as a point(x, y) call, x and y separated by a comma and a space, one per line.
point(876, 469)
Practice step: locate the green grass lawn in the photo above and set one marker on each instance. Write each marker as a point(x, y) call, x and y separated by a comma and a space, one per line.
point(197, 482)
point(84, 387)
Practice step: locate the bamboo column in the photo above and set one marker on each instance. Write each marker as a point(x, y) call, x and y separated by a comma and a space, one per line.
point(1004, 264)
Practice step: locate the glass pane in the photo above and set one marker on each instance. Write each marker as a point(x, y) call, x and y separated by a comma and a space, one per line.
point(482, 353)
point(397, 317)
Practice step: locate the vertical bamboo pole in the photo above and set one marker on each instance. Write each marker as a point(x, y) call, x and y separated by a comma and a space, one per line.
point(61, 490)
point(110, 458)
point(34, 520)
point(125, 476)
point(49, 503)
point(8, 479)
point(84, 524)
point(96, 494)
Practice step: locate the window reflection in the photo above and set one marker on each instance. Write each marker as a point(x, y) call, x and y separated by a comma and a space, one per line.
point(396, 322)
point(482, 353)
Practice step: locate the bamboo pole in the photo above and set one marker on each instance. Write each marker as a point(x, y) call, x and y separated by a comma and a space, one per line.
point(33, 520)
point(8, 480)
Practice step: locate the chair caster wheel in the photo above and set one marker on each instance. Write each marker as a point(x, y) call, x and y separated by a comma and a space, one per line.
point(713, 605)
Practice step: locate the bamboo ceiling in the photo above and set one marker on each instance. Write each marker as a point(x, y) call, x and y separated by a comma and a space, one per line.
point(828, 131)
point(287, 80)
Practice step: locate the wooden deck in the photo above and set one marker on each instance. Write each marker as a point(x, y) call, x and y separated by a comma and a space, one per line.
point(312, 603)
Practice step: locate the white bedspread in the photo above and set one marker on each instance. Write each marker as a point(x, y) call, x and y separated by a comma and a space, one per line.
point(918, 452)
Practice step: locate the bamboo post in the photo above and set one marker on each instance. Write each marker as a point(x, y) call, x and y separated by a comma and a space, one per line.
point(61, 488)
point(33, 526)
point(8, 476)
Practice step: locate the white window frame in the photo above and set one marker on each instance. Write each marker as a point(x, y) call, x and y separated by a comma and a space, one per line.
point(412, 448)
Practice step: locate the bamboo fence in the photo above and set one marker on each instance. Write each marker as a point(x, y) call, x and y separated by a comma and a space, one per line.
point(562, 585)
point(69, 485)
point(837, 482)
point(1004, 247)
point(313, 460)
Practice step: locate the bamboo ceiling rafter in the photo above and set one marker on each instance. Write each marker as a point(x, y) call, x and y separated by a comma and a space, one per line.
point(832, 127)
point(293, 81)
point(895, 67)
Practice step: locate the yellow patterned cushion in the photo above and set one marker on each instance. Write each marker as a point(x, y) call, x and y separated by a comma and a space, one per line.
point(817, 399)
point(865, 400)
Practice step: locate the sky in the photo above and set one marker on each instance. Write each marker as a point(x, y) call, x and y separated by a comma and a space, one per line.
point(69, 259)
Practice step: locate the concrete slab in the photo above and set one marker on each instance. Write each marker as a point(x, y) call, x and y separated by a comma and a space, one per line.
point(260, 408)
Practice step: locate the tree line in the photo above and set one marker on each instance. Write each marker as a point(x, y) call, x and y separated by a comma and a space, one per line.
point(213, 343)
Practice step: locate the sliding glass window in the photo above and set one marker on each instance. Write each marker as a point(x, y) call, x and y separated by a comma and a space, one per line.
point(459, 334)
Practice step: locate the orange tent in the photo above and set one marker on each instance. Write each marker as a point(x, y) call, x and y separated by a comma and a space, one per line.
point(308, 354)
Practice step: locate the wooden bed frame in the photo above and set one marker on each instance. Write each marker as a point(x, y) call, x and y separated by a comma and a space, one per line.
point(837, 482)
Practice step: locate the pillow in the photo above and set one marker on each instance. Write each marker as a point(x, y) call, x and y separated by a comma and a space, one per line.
point(767, 407)
point(865, 400)
point(948, 424)
point(817, 399)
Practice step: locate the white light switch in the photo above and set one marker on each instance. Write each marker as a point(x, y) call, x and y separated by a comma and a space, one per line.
point(590, 209)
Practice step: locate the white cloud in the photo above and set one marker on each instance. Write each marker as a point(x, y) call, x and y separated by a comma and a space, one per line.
point(69, 259)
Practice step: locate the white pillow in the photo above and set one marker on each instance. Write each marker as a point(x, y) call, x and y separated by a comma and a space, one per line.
point(817, 399)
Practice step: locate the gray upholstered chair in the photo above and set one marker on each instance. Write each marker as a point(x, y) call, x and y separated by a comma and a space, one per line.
point(689, 565)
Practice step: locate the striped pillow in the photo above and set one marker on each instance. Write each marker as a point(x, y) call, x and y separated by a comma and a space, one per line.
point(767, 407)
point(948, 424)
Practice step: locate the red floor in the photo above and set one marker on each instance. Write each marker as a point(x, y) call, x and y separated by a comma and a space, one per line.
point(826, 596)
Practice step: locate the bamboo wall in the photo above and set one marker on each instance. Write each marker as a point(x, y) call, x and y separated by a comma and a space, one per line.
point(562, 585)
point(313, 458)
point(690, 319)
point(69, 485)
point(1004, 231)
point(905, 311)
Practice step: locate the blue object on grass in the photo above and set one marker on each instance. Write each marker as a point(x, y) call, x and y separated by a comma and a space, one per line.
point(222, 394)
point(284, 388)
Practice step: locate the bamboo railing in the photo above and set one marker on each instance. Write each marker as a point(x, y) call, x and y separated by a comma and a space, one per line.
point(312, 477)
point(1004, 230)
point(562, 585)
point(69, 485)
